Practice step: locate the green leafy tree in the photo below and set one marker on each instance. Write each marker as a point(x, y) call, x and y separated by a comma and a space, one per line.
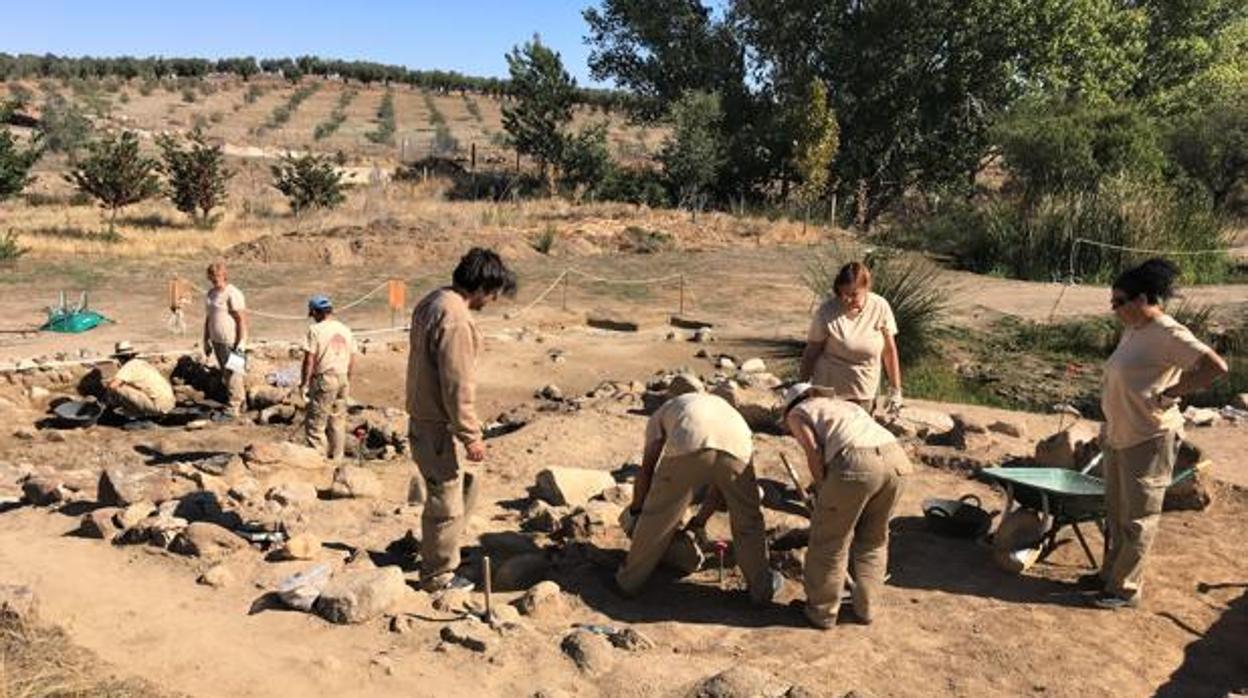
point(15, 159)
point(585, 160)
point(693, 155)
point(544, 94)
point(308, 181)
point(197, 176)
point(1211, 147)
point(115, 173)
point(817, 140)
point(65, 127)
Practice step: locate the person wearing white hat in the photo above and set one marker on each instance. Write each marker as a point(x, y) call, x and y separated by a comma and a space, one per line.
point(138, 389)
point(858, 470)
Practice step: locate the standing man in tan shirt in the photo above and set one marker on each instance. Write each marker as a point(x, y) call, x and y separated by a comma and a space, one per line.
point(441, 392)
point(225, 331)
point(328, 365)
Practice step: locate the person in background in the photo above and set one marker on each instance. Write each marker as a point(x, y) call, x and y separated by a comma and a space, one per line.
point(1157, 362)
point(858, 472)
point(443, 426)
point(328, 366)
point(138, 389)
point(851, 335)
point(225, 331)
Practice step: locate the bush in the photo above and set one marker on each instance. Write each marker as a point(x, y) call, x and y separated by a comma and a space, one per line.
point(585, 160)
point(643, 241)
point(15, 162)
point(65, 128)
point(10, 251)
point(252, 94)
point(909, 283)
point(308, 181)
point(1210, 146)
point(544, 242)
point(635, 185)
point(444, 143)
point(384, 134)
point(1036, 241)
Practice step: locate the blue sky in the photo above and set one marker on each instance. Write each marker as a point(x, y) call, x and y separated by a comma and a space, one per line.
point(468, 36)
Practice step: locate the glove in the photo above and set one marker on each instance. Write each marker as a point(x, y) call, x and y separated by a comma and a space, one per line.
point(1164, 402)
point(241, 347)
point(894, 401)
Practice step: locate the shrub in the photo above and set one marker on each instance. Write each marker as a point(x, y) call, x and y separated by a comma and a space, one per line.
point(635, 185)
point(584, 161)
point(65, 128)
point(15, 162)
point(197, 176)
point(252, 94)
point(10, 251)
point(909, 283)
point(384, 134)
point(308, 181)
point(1210, 146)
point(444, 144)
point(643, 241)
point(116, 174)
point(544, 242)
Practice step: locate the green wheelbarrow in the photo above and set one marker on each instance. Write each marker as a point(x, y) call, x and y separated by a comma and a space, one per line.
point(1066, 497)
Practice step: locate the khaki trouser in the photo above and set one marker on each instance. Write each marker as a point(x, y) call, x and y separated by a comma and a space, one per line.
point(852, 511)
point(449, 496)
point(1136, 479)
point(235, 391)
point(326, 412)
point(671, 491)
point(133, 402)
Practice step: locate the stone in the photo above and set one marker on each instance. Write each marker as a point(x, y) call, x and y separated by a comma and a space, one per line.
point(217, 577)
point(740, 681)
point(301, 590)
point(542, 517)
point(55, 437)
point(969, 424)
point(544, 599)
point(703, 335)
point(25, 433)
point(453, 601)
point(571, 486)
point(683, 383)
point(197, 425)
point(302, 546)
point(357, 596)
point(1072, 448)
point(262, 397)
point(207, 540)
point(1240, 402)
point(469, 633)
point(99, 523)
point(504, 615)
point(117, 490)
point(38, 393)
point(619, 495)
point(615, 324)
point(760, 408)
point(18, 603)
point(521, 571)
point(926, 423)
point(245, 489)
point(577, 527)
point(763, 380)
point(133, 515)
point(591, 652)
point(1015, 429)
point(277, 414)
point(354, 482)
point(292, 493)
point(42, 491)
point(282, 454)
point(631, 640)
point(1192, 494)
point(726, 364)
point(550, 392)
point(754, 365)
point(1199, 416)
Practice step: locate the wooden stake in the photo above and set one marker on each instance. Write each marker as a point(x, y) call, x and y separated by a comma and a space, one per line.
point(682, 294)
point(565, 292)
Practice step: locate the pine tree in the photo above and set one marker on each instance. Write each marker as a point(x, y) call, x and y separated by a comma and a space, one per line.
point(818, 137)
point(544, 95)
point(116, 174)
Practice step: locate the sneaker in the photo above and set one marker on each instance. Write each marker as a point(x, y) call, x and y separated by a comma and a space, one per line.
point(453, 582)
point(1114, 602)
point(1090, 582)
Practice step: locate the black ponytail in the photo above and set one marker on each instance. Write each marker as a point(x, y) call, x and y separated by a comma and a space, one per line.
point(1154, 279)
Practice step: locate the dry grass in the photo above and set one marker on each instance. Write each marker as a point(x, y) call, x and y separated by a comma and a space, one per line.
point(41, 662)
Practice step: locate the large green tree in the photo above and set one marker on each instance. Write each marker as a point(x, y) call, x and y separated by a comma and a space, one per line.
point(116, 173)
point(197, 175)
point(15, 159)
point(544, 94)
point(692, 155)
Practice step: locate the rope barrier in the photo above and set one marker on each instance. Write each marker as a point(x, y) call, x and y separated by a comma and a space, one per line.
point(596, 279)
point(292, 318)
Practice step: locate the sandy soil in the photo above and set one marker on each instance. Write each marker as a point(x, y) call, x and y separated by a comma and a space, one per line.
point(952, 625)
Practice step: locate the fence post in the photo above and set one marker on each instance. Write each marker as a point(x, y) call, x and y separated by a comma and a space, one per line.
point(565, 291)
point(682, 294)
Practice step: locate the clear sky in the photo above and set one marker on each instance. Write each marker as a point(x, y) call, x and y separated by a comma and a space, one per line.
point(469, 36)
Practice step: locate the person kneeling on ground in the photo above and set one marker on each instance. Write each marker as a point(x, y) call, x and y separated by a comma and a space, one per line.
point(702, 440)
point(857, 468)
point(138, 389)
point(328, 365)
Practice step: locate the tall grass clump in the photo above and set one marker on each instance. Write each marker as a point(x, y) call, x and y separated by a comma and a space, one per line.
point(10, 250)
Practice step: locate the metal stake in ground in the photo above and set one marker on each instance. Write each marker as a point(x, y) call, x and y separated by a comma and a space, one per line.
point(489, 587)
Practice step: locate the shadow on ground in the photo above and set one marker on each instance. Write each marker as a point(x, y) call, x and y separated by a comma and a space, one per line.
point(1216, 663)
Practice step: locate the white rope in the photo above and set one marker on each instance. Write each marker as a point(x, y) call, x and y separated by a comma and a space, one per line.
point(542, 296)
point(343, 309)
point(1145, 250)
point(603, 280)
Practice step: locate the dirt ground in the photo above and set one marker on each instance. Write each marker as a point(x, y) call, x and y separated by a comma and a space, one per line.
point(952, 623)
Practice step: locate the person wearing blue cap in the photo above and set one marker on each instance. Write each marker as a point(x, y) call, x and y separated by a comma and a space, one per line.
point(328, 364)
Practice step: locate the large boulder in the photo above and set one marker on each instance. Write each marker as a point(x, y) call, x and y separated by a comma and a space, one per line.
point(683, 383)
point(262, 397)
point(522, 571)
point(353, 481)
point(591, 652)
point(357, 596)
point(292, 493)
point(42, 491)
point(571, 486)
point(282, 454)
point(207, 540)
point(99, 523)
point(116, 489)
point(544, 599)
point(928, 424)
point(760, 407)
point(1071, 448)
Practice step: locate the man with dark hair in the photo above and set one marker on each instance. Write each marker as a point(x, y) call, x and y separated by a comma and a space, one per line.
point(441, 391)
point(328, 365)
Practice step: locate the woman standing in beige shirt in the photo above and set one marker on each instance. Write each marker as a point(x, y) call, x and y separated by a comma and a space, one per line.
point(1157, 361)
point(851, 335)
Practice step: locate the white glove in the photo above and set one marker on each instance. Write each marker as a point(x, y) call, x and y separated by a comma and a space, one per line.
point(1163, 401)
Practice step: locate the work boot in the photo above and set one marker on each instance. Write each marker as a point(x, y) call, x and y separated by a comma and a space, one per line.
point(1090, 582)
point(1115, 602)
point(448, 582)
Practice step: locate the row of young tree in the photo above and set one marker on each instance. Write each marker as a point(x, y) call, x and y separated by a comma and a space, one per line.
point(49, 66)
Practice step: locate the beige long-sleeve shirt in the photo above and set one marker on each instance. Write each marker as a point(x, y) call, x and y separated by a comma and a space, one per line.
point(441, 364)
